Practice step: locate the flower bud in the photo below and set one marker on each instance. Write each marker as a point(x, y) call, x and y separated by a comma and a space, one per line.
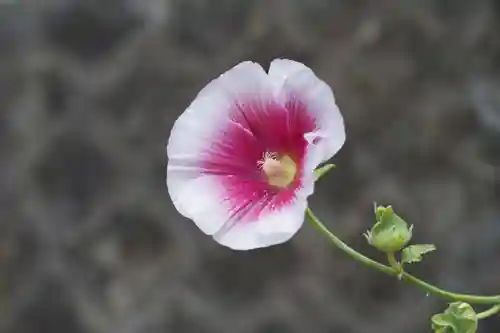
point(390, 233)
point(459, 317)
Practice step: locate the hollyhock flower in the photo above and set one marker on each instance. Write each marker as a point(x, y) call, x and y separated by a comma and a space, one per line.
point(242, 156)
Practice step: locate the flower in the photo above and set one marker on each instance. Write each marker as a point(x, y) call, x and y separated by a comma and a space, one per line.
point(241, 157)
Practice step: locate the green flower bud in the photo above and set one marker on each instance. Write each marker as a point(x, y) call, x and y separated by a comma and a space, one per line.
point(390, 233)
point(459, 317)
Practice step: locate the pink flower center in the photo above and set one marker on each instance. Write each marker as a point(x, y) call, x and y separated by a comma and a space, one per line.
point(280, 172)
point(259, 156)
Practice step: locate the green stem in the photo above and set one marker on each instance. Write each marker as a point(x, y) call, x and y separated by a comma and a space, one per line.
point(404, 276)
point(396, 266)
point(391, 258)
point(490, 312)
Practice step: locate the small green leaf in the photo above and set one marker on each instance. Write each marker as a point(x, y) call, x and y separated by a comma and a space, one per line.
point(414, 253)
point(319, 172)
point(459, 317)
point(442, 320)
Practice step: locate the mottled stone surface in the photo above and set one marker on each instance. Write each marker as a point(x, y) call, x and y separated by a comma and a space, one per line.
point(89, 89)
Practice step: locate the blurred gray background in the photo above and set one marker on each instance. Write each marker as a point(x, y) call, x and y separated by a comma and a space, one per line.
point(89, 90)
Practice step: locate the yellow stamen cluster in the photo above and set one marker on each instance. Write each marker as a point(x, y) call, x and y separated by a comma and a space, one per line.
point(280, 171)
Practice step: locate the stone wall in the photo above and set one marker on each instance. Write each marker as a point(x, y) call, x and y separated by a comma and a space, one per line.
point(89, 89)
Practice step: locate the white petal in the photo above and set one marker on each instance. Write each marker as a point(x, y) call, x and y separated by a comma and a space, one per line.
point(295, 80)
point(209, 112)
point(198, 199)
point(272, 229)
point(194, 194)
point(281, 69)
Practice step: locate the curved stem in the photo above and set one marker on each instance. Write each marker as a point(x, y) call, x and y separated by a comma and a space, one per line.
point(404, 276)
point(490, 312)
